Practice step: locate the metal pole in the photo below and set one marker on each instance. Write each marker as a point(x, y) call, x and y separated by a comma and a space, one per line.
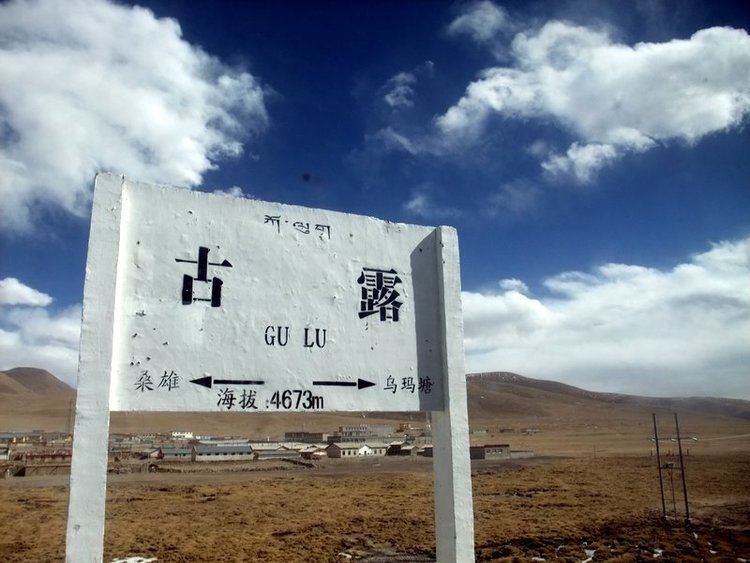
point(658, 465)
point(670, 472)
point(682, 470)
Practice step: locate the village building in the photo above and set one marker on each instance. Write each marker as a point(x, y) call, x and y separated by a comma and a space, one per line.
point(394, 448)
point(59, 442)
point(376, 448)
point(48, 456)
point(277, 450)
point(57, 437)
point(402, 448)
point(361, 433)
point(35, 437)
point(497, 451)
point(224, 453)
point(343, 449)
point(176, 435)
point(408, 450)
point(175, 454)
point(476, 452)
point(306, 437)
point(222, 441)
point(489, 451)
point(151, 437)
point(313, 451)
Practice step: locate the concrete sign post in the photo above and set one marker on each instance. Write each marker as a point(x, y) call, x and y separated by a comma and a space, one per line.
point(200, 302)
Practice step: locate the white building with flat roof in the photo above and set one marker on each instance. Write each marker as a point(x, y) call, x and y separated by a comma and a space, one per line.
point(224, 453)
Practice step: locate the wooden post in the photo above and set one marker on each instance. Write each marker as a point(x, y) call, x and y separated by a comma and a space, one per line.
point(658, 465)
point(682, 470)
point(454, 513)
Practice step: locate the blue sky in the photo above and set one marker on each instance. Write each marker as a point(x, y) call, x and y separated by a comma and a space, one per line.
point(593, 156)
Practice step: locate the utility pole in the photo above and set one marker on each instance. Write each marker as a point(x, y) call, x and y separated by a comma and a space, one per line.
point(682, 470)
point(658, 465)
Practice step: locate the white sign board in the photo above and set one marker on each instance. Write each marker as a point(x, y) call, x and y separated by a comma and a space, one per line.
point(234, 304)
point(202, 302)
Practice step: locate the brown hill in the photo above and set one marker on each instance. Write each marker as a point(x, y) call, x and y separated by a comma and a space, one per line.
point(546, 416)
point(9, 386)
point(510, 394)
point(37, 381)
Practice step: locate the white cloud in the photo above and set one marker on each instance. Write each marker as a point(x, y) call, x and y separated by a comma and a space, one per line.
point(391, 140)
point(513, 199)
point(39, 326)
point(422, 203)
point(400, 91)
point(89, 85)
point(13, 292)
point(625, 328)
point(581, 161)
point(513, 284)
point(480, 20)
point(38, 337)
point(614, 98)
point(233, 191)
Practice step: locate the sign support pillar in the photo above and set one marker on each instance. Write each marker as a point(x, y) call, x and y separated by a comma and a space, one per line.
point(88, 470)
point(454, 513)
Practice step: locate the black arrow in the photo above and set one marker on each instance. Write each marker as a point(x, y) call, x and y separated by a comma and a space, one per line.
point(208, 381)
point(225, 263)
point(359, 384)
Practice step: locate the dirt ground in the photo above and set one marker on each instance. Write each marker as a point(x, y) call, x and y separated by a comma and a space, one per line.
point(382, 510)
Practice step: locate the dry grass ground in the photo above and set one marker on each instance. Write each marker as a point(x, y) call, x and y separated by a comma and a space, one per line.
point(552, 509)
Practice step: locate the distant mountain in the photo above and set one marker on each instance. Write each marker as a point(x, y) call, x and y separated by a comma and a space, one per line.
point(492, 393)
point(570, 419)
point(25, 380)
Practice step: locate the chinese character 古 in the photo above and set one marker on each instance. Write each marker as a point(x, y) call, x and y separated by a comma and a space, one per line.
point(226, 398)
point(379, 293)
point(203, 264)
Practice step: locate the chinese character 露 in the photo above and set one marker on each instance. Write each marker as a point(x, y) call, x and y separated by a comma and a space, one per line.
point(379, 293)
point(216, 283)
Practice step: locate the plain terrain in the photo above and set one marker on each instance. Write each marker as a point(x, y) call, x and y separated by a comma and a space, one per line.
point(593, 486)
